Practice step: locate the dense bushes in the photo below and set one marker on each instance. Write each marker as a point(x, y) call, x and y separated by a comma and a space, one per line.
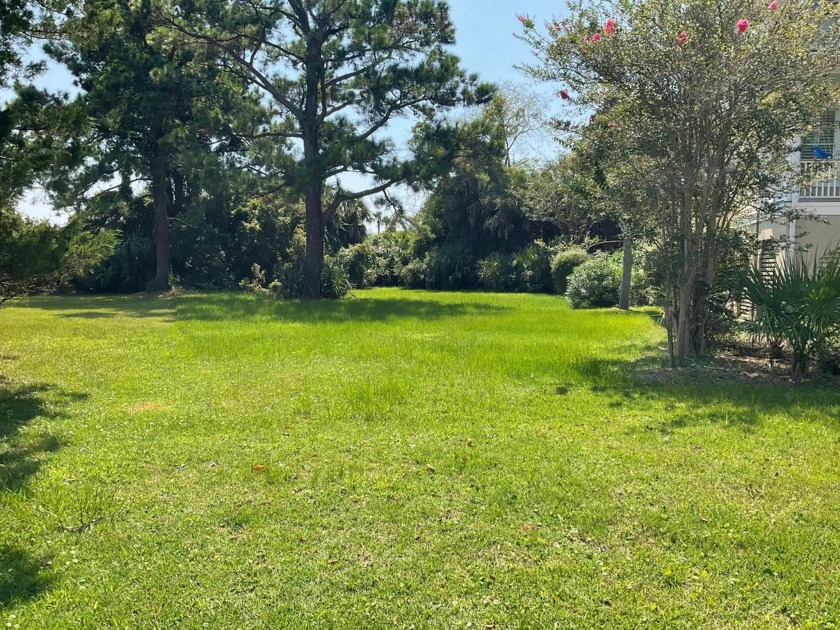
point(451, 267)
point(595, 283)
point(532, 268)
point(527, 271)
point(399, 259)
point(564, 263)
point(496, 273)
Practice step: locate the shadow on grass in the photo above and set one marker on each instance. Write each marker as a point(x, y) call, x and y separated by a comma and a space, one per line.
point(22, 576)
point(103, 306)
point(237, 306)
point(232, 307)
point(726, 392)
point(21, 451)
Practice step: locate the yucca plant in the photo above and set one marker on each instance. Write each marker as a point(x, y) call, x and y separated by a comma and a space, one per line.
point(797, 304)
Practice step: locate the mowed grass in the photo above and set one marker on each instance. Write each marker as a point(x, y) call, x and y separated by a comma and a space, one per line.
point(401, 459)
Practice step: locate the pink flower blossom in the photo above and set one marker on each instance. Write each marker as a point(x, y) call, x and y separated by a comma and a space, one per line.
point(566, 28)
point(773, 5)
point(596, 37)
point(743, 26)
point(564, 95)
point(612, 125)
point(609, 27)
point(526, 21)
point(682, 37)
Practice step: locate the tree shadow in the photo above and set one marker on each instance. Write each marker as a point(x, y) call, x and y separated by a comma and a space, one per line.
point(731, 392)
point(22, 452)
point(104, 307)
point(236, 307)
point(22, 576)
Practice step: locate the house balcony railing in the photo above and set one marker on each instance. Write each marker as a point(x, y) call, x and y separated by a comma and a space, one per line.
point(822, 179)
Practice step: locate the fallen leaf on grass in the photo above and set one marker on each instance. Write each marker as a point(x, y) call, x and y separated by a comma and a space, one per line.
point(257, 468)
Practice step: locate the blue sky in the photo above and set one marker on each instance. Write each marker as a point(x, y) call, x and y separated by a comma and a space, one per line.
point(484, 32)
point(485, 42)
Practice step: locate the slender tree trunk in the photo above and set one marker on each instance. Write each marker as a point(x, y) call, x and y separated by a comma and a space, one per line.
point(627, 275)
point(669, 325)
point(314, 263)
point(313, 193)
point(684, 323)
point(700, 317)
point(160, 197)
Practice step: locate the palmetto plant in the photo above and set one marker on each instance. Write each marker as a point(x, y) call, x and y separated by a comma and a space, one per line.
point(797, 304)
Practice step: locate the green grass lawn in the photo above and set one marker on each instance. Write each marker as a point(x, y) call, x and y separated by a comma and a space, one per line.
point(401, 459)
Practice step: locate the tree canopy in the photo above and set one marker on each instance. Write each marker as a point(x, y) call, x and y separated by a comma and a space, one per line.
point(336, 74)
point(709, 95)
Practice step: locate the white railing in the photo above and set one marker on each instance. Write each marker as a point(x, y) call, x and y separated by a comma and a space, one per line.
point(822, 179)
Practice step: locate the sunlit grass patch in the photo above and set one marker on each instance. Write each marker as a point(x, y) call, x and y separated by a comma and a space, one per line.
point(399, 459)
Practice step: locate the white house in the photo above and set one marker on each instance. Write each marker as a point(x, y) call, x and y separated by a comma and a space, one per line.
point(819, 158)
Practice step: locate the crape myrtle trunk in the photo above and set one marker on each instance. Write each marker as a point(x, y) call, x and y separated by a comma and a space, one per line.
point(627, 274)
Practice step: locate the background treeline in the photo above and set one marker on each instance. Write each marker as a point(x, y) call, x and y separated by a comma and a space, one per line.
point(274, 147)
point(194, 173)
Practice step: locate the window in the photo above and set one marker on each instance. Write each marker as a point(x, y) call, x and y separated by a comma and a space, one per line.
point(822, 136)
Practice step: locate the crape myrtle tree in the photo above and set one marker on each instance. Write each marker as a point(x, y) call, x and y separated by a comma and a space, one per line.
point(710, 94)
point(337, 72)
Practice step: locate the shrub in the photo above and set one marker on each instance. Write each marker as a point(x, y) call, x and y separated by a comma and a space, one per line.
point(496, 272)
point(392, 252)
point(532, 268)
point(413, 275)
point(360, 262)
point(291, 283)
point(335, 283)
point(829, 355)
point(595, 283)
point(451, 267)
point(258, 284)
point(563, 264)
point(798, 305)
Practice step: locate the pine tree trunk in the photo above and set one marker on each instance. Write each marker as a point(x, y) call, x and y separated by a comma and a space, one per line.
point(314, 263)
point(161, 204)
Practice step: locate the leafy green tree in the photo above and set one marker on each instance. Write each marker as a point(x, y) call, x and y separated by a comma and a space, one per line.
point(36, 256)
point(159, 111)
point(707, 95)
point(520, 119)
point(473, 203)
point(35, 136)
point(336, 74)
point(16, 18)
point(563, 194)
point(33, 122)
